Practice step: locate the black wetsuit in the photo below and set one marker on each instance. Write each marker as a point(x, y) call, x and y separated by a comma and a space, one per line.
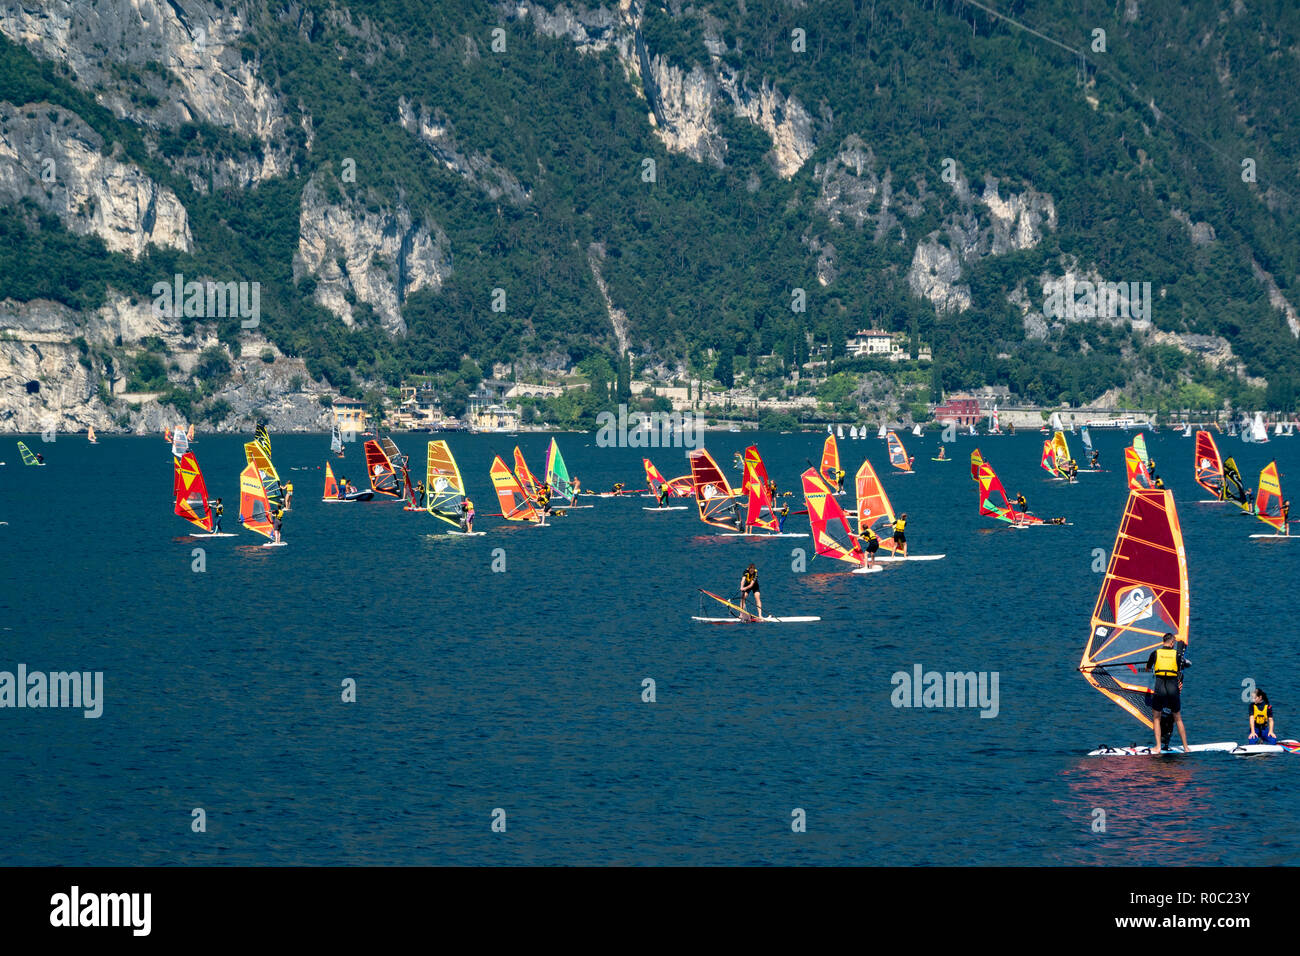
point(1166, 692)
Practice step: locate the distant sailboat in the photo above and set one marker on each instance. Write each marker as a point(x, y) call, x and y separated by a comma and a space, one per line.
point(853, 431)
point(883, 432)
point(336, 441)
point(839, 431)
point(90, 435)
point(1258, 428)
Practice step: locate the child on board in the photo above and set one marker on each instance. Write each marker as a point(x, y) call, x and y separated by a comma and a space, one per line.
point(781, 516)
point(288, 496)
point(1168, 664)
point(941, 455)
point(749, 585)
point(217, 512)
point(1286, 518)
point(1260, 720)
point(839, 481)
point(277, 519)
point(1096, 460)
point(1021, 504)
point(662, 495)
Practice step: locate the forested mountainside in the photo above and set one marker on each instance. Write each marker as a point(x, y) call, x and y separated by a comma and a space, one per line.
point(435, 188)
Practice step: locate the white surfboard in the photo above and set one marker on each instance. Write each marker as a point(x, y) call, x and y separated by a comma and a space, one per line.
point(1282, 536)
point(275, 544)
point(573, 507)
point(216, 534)
point(667, 508)
point(910, 557)
point(464, 534)
point(868, 569)
point(764, 534)
point(752, 619)
point(1281, 747)
point(1148, 750)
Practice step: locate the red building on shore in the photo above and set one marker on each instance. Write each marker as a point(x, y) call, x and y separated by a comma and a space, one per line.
point(961, 409)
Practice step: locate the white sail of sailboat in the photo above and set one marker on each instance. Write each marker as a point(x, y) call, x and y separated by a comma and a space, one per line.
point(883, 431)
point(839, 431)
point(1258, 427)
point(853, 431)
point(916, 429)
point(1057, 424)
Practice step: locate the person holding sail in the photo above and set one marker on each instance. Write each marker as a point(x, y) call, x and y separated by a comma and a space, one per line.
point(749, 585)
point(1168, 664)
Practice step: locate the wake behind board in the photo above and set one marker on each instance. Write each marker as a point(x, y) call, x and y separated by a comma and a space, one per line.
point(668, 508)
point(1149, 751)
point(1281, 747)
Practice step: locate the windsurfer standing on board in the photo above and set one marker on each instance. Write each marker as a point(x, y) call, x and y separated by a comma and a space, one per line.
point(217, 511)
point(749, 585)
point(839, 481)
point(1096, 461)
point(1166, 694)
point(276, 520)
point(900, 539)
point(467, 516)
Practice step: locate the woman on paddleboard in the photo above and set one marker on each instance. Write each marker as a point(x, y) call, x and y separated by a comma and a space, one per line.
point(1167, 663)
point(749, 585)
point(1261, 720)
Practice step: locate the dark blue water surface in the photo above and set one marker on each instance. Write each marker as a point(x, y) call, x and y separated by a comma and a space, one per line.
point(521, 690)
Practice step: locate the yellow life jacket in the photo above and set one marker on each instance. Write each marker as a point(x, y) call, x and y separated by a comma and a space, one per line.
point(749, 577)
point(1166, 662)
point(1260, 714)
point(900, 526)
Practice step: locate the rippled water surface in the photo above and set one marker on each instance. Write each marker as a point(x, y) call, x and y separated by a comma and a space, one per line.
point(521, 689)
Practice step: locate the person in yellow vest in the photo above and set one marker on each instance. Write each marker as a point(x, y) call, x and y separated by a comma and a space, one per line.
point(288, 496)
point(781, 516)
point(217, 511)
point(1167, 663)
point(900, 538)
point(467, 516)
point(1261, 720)
point(749, 585)
point(870, 545)
point(839, 481)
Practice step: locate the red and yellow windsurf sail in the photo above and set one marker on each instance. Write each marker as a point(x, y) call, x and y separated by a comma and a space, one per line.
point(379, 468)
point(755, 485)
point(993, 498)
point(713, 495)
point(1048, 461)
point(191, 493)
point(976, 463)
point(331, 486)
point(830, 469)
point(1143, 597)
point(254, 508)
point(680, 486)
point(1268, 500)
point(443, 484)
point(515, 505)
point(832, 536)
point(874, 508)
point(1209, 466)
point(1138, 476)
point(255, 454)
point(897, 453)
point(527, 482)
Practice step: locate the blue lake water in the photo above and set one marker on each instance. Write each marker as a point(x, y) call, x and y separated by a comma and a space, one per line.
point(521, 689)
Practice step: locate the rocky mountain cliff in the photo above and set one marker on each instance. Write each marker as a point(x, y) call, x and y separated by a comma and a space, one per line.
point(412, 186)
